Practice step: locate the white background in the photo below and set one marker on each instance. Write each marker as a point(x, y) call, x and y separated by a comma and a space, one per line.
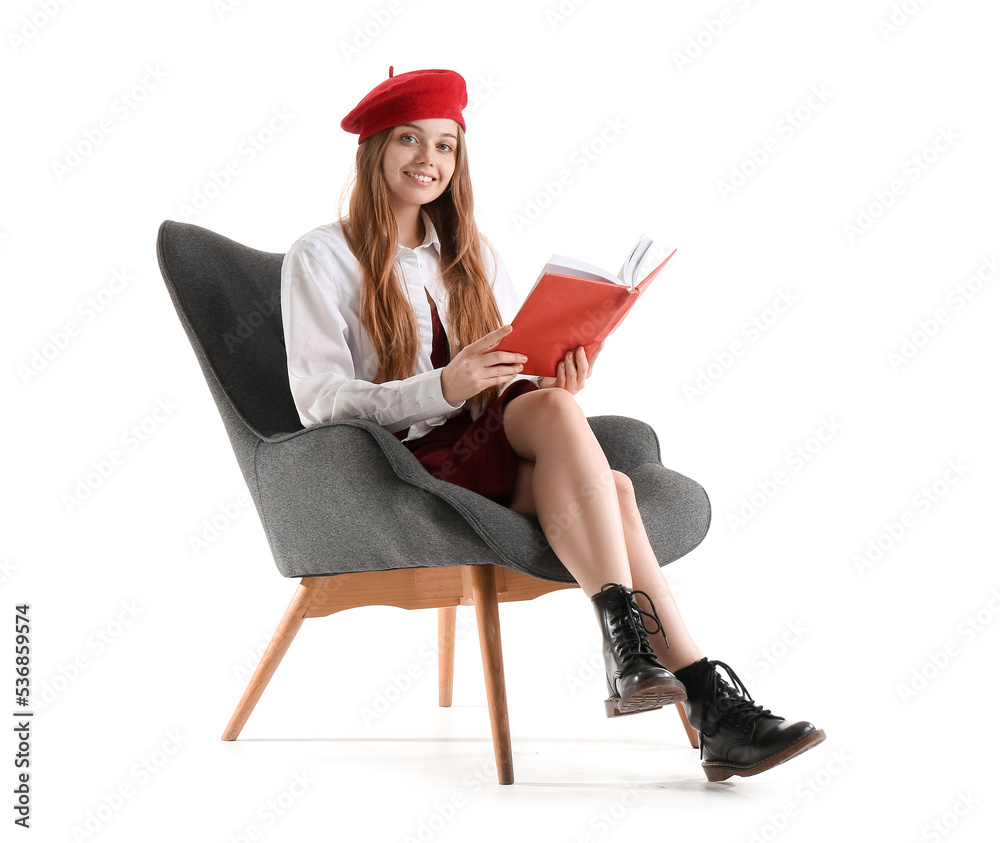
point(785, 597)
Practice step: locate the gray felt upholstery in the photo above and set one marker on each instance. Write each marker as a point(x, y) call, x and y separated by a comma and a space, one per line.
point(347, 496)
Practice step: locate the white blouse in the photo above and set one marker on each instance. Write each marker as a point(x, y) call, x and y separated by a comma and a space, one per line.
point(331, 361)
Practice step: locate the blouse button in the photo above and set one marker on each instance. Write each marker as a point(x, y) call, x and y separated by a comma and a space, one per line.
point(416, 406)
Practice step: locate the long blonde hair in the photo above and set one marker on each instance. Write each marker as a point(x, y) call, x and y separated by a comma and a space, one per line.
point(385, 311)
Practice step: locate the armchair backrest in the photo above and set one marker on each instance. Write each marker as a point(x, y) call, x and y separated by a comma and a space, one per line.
point(228, 297)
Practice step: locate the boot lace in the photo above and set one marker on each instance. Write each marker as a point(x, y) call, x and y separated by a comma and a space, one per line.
point(726, 702)
point(629, 627)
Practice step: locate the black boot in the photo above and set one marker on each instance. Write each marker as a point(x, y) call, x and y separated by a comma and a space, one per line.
point(636, 679)
point(737, 736)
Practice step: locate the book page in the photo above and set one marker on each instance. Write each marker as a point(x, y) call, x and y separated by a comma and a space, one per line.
point(630, 269)
point(563, 265)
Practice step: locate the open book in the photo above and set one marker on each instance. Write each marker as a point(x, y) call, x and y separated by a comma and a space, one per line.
point(572, 304)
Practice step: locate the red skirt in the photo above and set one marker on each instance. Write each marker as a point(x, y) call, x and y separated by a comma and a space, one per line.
point(473, 454)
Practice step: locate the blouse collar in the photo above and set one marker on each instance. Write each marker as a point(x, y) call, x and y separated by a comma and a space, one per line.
point(430, 234)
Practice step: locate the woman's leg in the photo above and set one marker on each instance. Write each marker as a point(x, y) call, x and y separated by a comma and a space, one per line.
point(582, 505)
point(571, 487)
point(647, 576)
point(587, 511)
point(645, 572)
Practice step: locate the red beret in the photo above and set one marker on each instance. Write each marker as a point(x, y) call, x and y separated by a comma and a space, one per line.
point(416, 95)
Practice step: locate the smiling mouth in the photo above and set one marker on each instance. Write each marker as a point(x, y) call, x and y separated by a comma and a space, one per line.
point(419, 178)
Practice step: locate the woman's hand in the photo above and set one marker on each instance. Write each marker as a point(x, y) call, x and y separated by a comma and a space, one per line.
point(475, 368)
point(572, 371)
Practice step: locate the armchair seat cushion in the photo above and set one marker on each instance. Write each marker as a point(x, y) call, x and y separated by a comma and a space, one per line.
point(392, 513)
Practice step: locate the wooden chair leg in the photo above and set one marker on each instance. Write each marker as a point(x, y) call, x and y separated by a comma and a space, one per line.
point(692, 733)
point(276, 648)
point(446, 653)
point(484, 592)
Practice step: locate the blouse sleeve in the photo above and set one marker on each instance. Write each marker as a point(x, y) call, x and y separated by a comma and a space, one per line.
point(506, 296)
point(321, 368)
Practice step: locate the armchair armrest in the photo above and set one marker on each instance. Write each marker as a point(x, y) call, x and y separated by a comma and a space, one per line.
point(627, 442)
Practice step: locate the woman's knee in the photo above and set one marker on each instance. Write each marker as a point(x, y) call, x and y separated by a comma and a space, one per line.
point(549, 406)
point(626, 492)
point(535, 415)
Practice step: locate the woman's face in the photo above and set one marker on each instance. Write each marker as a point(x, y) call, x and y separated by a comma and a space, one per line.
point(419, 161)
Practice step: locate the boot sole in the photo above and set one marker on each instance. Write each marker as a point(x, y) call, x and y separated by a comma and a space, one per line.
point(717, 771)
point(648, 696)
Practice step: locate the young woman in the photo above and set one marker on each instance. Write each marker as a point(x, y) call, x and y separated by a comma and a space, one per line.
point(392, 314)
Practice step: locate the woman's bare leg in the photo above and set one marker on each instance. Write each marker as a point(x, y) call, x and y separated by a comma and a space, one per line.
point(587, 511)
point(555, 431)
point(647, 576)
point(571, 486)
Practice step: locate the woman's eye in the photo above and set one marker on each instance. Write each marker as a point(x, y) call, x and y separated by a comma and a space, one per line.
point(445, 146)
point(404, 137)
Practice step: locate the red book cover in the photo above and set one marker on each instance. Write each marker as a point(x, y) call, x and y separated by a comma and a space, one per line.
point(564, 311)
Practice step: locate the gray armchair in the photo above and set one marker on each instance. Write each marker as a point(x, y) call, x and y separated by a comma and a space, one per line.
point(349, 510)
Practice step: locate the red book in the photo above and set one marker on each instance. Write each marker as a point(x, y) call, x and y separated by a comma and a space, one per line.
point(574, 304)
